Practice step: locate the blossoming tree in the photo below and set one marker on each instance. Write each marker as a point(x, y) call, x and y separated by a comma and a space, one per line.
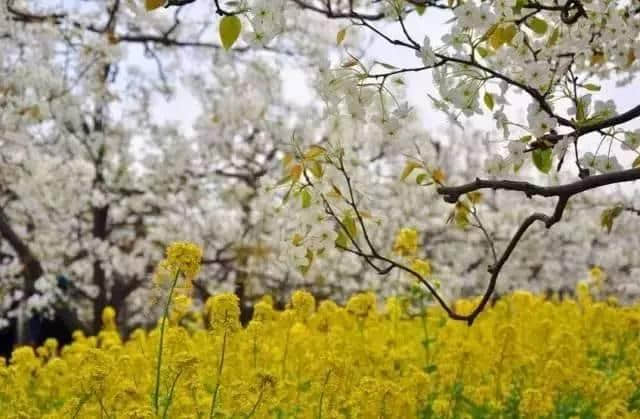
point(554, 55)
point(93, 184)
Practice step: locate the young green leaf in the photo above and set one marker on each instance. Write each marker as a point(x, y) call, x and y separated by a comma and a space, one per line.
point(553, 39)
point(306, 198)
point(342, 240)
point(316, 169)
point(509, 31)
point(350, 225)
point(422, 179)
point(502, 34)
point(608, 216)
point(488, 100)
point(408, 168)
point(340, 36)
point(230, 28)
point(483, 52)
point(542, 159)
point(537, 25)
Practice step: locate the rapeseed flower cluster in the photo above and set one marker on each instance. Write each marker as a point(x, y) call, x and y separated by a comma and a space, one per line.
point(406, 242)
point(526, 357)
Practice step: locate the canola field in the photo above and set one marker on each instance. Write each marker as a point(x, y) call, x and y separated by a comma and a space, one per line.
point(525, 357)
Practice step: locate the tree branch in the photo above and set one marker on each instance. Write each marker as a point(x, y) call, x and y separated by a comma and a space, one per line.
point(452, 193)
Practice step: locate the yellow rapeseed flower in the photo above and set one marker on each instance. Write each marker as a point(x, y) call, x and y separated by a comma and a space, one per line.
point(224, 312)
point(185, 257)
point(362, 305)
point(406, 242)
point(109, 318)
point(263, 310)
point(525, 357)
point(303, 304)
point(423, 267)
point(535, 403)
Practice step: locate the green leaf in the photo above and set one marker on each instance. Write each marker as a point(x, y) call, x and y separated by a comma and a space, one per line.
point(340, 36)
point(153, 4)
point(502, 34)
point(488, 100)
point(316, 169)
point(592, 87)
point(537, 25)
point(306, 198)
point(608, 216)
point(508, 32)
point(408, 168)
point(525, 139)
point(422, 179)
point(430, 369)
point(314, 151)
point(553, 39)
point(636, 162)
point(494, 35)
point(420, 9)
point(483, 52)
point(518, 7)
point(350, 225)
point(580, 111)
point(341, 240)
point(304, 386)
point(542, 159)
point(230, 28)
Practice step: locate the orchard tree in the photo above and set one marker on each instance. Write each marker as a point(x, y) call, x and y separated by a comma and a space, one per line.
point(94, 182)
point(554, 56)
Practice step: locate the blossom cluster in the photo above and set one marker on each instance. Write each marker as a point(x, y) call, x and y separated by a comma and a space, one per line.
point(526, 356)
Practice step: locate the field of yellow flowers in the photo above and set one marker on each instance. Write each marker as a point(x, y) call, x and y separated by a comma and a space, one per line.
point(525, 357)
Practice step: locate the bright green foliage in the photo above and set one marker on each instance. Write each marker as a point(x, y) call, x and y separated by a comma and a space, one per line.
point(230, 28)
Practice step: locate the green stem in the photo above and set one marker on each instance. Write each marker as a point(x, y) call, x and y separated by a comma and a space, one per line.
point(285, 354)
point(324, 386)
point(255, 351)
point(215, 391)
point(103, 410)
point(426, 344)
point(156, 393)
point(82, 402)
point(173, 387)
point(255, 406)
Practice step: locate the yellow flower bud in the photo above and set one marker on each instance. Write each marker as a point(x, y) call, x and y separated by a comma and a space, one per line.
point(423, 267)
point(406, 243)
point(224, 312)
point(303, 304)
point(185, 257)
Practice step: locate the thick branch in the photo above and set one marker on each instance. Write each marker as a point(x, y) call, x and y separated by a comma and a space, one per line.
point(452, 193)
point(552, 138)
point(563, 192)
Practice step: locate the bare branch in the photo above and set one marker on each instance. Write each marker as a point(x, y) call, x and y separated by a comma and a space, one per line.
point(452, 193)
